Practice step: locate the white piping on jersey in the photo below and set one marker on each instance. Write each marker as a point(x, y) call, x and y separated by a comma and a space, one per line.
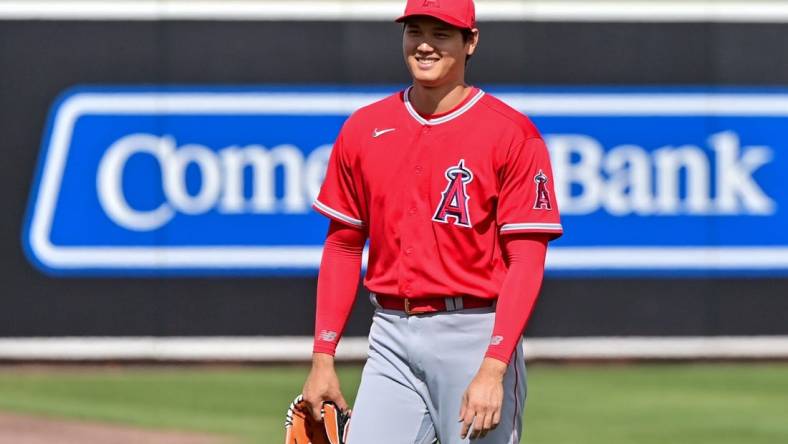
point(445, 118)
point(541, 227)
point(332, 212)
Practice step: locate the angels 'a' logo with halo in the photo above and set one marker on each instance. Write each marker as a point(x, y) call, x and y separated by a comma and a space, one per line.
point(542, 201)
point(454, 199)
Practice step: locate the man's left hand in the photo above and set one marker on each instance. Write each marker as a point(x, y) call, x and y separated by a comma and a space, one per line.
point(482, 400)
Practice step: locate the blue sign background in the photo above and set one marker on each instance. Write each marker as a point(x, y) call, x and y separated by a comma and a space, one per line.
point(78, 220)
point(78, 202)
point(650, 132)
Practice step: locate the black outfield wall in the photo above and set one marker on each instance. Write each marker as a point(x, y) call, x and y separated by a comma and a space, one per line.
point(39, 59)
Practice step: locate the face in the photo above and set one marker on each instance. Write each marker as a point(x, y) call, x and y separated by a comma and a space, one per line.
point(435, 52)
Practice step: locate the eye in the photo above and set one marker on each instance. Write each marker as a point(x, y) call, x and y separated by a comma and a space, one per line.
point(441, 35)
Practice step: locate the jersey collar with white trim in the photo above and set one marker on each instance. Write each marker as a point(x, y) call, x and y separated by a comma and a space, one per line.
point(442, 119)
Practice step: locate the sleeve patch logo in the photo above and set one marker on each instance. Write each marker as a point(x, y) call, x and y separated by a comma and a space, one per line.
point(496, 340)
point(454, 199)
point(542, 195)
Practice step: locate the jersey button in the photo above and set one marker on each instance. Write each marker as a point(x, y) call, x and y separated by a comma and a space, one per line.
point(409, 251)
point(412, 211)
point(419, 169)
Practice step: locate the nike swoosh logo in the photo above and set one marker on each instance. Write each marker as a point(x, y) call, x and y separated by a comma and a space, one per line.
point(377, 133)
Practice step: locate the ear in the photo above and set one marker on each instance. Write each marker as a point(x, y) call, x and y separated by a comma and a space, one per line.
point(473, 42)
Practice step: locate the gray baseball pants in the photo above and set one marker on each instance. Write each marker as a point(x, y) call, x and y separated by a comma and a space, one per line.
point(416, 373)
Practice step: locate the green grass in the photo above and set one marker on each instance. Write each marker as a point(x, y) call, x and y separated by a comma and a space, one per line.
point(715, 404)
point(642, 404)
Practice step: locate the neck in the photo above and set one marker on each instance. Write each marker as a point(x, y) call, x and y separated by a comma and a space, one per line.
point(439, 99)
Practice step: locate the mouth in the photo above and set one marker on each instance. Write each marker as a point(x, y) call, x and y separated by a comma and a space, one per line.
point(425, 62)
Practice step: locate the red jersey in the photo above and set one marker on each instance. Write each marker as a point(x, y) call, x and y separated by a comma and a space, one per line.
point(435, 192)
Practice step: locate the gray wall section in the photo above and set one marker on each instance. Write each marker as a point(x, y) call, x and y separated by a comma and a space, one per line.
point(38, 60)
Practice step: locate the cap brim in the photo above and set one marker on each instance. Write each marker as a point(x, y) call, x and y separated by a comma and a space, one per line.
point(444, 18)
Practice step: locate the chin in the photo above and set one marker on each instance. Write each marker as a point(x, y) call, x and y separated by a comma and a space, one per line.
point(428, 78)
point(424, 77)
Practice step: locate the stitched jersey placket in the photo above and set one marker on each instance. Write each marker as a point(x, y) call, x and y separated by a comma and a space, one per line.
point(416, 211)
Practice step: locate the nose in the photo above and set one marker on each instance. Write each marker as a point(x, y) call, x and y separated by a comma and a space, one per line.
point(424, 47)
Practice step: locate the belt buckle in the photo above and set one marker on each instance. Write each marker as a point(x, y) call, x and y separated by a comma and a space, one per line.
point(407, 307)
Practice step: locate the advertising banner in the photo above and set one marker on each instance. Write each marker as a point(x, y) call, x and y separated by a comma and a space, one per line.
point(209, 180)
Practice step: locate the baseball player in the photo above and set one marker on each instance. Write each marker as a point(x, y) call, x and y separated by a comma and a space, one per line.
point(454, 191)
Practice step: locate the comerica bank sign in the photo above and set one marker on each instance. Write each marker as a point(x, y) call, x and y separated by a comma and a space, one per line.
point(177, 181)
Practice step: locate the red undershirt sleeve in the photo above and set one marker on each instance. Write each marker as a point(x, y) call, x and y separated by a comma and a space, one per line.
point(337, 283)
point(525, 255)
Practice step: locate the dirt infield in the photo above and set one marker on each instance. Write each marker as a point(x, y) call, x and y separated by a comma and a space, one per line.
point(27, 429)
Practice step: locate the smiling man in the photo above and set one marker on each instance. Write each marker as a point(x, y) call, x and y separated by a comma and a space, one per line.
point(454, 191)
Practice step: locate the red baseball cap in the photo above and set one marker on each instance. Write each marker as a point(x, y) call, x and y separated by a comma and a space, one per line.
point(458, 13)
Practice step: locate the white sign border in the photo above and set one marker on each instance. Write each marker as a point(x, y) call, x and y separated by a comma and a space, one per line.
point(637, 11)
point(60, 258)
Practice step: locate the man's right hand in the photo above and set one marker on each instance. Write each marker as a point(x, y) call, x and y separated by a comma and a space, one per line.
point(322, 385)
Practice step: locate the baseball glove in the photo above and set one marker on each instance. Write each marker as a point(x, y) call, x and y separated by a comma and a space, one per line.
point(301, 427)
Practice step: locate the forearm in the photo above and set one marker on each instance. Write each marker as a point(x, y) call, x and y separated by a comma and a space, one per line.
point(519, 292)
point(337, 283)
